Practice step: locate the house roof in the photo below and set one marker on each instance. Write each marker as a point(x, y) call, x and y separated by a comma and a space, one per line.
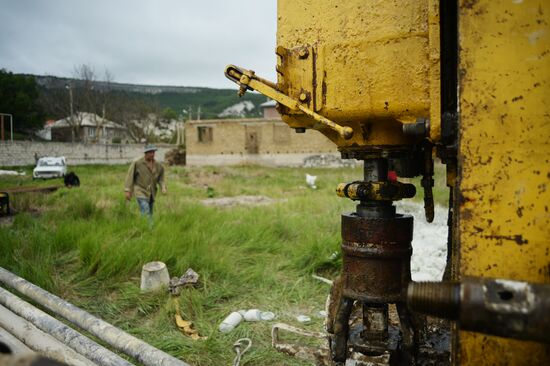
point(88, 119)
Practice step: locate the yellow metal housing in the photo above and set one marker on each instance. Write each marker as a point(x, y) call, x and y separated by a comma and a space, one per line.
point(504, 158)
point(371, 65)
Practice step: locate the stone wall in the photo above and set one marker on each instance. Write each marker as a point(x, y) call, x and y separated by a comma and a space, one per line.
point(305, 160)
point(23, 152)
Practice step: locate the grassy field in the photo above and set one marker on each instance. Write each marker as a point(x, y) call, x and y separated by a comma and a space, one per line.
point(88, 245)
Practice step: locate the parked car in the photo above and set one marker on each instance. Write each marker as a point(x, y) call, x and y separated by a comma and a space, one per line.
point(50, 167)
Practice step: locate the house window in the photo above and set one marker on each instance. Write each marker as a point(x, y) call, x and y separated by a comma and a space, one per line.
point(205, 134)
point(91, 132)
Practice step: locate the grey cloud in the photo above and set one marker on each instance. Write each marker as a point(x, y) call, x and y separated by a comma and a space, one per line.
point(153, 42)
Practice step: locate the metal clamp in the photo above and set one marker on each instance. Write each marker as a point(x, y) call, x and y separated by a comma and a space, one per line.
point(247, 80)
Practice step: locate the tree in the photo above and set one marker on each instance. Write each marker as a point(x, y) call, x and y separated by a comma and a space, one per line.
point(83, 93)
point(136, 113)
point(168, 114)
point(64, 98)
point(19, 96)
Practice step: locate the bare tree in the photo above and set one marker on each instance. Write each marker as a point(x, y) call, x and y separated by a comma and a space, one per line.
point(85, 93)
point(101, 103)
point(136, 114)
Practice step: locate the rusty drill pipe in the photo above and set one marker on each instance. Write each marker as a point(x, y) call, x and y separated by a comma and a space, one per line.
point(130, 345)
point(504, 308)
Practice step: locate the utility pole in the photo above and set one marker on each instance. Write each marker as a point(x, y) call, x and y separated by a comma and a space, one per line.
point(199, 113)
point(70, 87)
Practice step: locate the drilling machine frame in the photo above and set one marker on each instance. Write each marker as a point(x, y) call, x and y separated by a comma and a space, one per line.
point(390, 83)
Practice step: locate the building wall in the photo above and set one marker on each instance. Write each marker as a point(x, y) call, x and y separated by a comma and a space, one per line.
point(237, 137)
point(295, 160)
point(271, 113)
point(23, 152)
point(62, 134)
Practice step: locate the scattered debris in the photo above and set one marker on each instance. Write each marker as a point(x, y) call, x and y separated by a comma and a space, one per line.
point(154, 275)
point(251, 315)
point(190, 277)
point(186, 327)
point(322, 279)
point(229, 323)
point(254, 315)
point(328, 161)
point(4, 204)
point(310, 180)
point(303, 318)
point(175, 157)
point(11, 172)
point(320, 355)
point(71, 180)
point(240, 200)
point(267, 316)
point(237, 348)
point(323, 314)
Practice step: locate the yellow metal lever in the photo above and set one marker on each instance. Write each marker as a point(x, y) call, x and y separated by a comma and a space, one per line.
point(247, 80)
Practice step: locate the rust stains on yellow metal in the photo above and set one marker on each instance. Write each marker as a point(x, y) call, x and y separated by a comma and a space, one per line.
point(504, 157)
point(370, 65)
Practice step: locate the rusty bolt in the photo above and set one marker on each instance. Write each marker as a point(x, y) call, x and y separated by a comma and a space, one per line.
point(303, 53)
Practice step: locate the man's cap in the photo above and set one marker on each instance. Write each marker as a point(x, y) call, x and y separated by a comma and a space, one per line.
point(149, 147)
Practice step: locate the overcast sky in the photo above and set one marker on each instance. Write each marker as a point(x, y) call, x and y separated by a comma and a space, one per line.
point(166, 42)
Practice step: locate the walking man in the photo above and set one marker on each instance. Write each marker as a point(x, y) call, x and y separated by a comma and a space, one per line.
point(142, 179)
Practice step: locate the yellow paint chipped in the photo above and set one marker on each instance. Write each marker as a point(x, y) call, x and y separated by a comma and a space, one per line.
point(504, 159)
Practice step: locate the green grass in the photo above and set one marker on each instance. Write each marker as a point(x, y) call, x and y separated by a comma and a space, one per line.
point(88, 244)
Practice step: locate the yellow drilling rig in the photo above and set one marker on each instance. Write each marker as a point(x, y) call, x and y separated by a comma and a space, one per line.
point(393, 83)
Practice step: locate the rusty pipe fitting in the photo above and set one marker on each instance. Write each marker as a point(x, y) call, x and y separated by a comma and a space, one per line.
point(376, 257)
point(511, 309)
point(440, 299)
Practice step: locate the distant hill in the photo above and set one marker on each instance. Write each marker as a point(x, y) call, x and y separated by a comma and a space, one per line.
point(212, 102)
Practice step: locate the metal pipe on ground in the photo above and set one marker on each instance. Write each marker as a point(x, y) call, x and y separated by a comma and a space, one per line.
point(130, 345)
point(63, 333)
point(39, 341)
point(15, 345)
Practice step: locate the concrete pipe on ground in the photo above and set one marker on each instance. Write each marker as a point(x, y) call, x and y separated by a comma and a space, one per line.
point(80, 343)
point(39, 341)
point(15, 345)
point(130, 345)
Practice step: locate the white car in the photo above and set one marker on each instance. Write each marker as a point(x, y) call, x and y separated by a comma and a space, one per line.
point(50, 167)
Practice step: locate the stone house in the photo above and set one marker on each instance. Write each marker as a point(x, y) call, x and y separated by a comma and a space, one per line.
point(92, 128)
